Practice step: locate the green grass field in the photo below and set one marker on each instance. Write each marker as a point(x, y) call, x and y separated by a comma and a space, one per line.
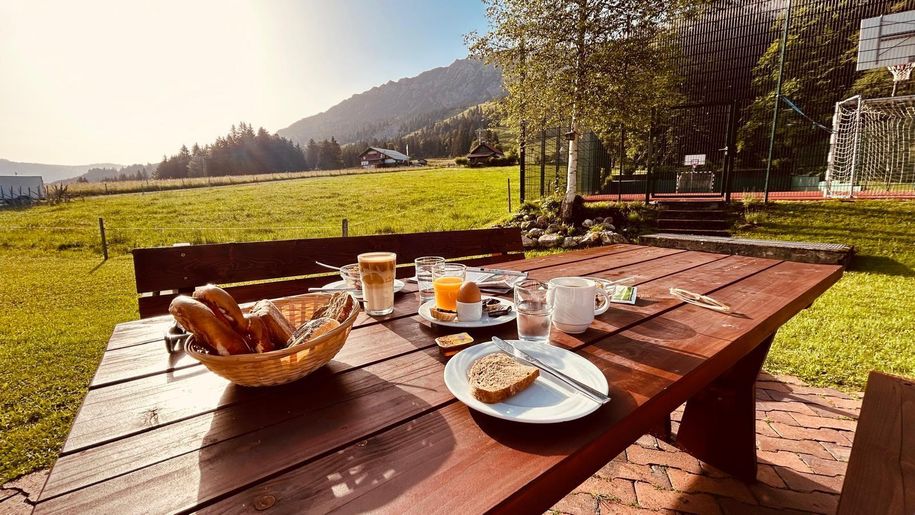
point(867, 320)
point(60, 301)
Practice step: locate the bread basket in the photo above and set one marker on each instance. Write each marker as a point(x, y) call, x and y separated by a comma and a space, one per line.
point(284, 365)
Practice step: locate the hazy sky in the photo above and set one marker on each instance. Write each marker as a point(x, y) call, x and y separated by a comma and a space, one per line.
point(125, 81)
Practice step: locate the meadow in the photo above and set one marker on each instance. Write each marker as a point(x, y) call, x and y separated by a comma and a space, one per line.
point(60, 300)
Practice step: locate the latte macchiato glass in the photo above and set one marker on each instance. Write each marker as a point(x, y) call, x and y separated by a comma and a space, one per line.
point(377, 274)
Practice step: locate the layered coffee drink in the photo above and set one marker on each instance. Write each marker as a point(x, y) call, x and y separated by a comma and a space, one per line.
point(377, 271)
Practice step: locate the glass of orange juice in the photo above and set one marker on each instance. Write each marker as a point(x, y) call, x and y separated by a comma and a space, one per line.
point(446, 281)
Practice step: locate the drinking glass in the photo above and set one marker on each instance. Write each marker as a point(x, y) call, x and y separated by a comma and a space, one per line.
point(424, 266)
point(446, 281)
point(351, 276)
point(535, 312)
point(377, 272)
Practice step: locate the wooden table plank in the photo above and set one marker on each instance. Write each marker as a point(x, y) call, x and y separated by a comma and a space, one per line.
point(717, 269)
point(468, 450)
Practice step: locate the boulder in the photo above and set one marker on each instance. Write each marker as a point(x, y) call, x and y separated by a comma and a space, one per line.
point(553, 228)
point(527, 242)
point(528, 218)
point(590, 239)
point(526, 225)
point(570, 242)
point(542, 221)
point(587, 223)
point(599, 220)
point(610, 237)
point(550, 240)
point(535, 233)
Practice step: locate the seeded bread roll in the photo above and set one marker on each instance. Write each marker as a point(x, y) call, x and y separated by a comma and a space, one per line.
point(496, 377)
point(313, 329)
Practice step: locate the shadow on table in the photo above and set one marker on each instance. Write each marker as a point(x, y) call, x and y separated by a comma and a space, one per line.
point(301, 447)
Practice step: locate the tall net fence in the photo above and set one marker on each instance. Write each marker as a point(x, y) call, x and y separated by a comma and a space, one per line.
point(872, 148)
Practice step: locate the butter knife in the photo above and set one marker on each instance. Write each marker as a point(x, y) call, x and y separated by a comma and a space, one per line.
point(580, 387)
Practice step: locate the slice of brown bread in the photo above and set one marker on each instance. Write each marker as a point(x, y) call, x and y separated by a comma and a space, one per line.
point(496, 377)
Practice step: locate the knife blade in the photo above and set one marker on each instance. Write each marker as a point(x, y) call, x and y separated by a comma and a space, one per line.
point(580, 387)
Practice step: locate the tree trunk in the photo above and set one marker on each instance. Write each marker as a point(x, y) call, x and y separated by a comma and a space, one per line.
point(571, 174)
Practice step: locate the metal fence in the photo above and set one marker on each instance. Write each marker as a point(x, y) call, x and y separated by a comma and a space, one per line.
point(728, 62)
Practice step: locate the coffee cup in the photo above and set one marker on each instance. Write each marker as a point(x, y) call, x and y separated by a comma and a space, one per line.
point(572, 299)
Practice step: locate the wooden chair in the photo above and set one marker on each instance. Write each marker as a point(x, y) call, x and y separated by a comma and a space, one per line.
point(881, 469)
point(162, 273)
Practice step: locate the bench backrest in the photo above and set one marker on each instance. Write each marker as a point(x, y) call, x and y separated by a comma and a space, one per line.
point(880, 477)
point(165, 272)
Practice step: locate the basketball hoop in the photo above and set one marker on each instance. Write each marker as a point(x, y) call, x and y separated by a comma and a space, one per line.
point(901, 71)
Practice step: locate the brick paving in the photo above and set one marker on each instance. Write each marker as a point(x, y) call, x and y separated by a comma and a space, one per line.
point(803, 439)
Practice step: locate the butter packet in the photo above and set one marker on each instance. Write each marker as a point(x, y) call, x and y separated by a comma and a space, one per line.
point(452, 343)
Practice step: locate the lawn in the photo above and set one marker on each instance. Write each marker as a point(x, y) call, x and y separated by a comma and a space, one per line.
point(60, 301)
point(867, 320)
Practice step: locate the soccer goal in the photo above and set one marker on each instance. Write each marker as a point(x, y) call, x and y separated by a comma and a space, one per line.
point(872, 149)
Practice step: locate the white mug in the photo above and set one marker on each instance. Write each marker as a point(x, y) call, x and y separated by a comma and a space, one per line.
point(572, 299)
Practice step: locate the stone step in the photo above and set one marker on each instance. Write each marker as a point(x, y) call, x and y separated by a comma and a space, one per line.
point(687, 223)
point(806, 252)
point(717, 214)
point(692, 205)
point(700, 232)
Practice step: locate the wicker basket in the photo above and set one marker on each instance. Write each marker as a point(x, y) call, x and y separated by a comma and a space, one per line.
point(284, 365)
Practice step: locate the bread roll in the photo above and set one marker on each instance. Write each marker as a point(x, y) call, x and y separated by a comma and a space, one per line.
point(280, 328)
point(339, 307)
point(223, 305)
point(208, 329)
point(313, 329)
point(259, 334)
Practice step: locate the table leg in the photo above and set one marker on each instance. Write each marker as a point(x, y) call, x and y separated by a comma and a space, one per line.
point(719, 423)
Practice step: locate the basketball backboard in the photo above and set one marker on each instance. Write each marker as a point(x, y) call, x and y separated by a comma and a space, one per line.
point(694, 160)
point(887, 40)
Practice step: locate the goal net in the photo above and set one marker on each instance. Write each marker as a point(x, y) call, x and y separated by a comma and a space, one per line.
point(872, 149)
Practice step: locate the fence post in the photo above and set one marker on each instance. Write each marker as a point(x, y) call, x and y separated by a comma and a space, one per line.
point(542, 160)
point(101, 230)
point(509, 194)
point(522, 150)
point(345, 227)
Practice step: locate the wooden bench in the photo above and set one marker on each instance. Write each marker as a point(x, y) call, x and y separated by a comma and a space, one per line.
point(881, 469)
point(162, 273)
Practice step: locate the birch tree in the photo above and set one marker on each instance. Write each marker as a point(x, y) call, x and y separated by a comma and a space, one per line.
point(590, 64)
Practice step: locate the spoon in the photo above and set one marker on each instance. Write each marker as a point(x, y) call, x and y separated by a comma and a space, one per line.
point(337, 268)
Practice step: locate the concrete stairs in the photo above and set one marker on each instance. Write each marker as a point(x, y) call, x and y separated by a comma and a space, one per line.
point(702, 217)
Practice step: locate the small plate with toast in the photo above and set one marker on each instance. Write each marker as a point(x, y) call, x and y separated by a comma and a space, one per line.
point(496, 311)
point(491, 382)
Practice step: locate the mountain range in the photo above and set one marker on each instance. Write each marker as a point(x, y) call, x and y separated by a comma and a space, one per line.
point(391, 110)
point(400, 107)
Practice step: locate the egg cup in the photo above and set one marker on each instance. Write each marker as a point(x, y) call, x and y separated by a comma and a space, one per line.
point(469, 311)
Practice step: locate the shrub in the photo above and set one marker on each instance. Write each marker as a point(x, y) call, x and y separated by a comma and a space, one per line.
point(461, 161)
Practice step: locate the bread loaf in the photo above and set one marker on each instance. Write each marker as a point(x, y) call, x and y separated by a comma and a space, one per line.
point(496, 377)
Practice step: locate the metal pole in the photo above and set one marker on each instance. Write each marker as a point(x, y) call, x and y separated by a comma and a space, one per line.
point(619, 192)
point(523, 157)
point(101, 229)
point(509, 194)
point(854, 152)
point(345, 227)
point(778, 99)
point(542, 160)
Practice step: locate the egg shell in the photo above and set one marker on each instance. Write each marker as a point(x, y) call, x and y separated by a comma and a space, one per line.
point(469, 292)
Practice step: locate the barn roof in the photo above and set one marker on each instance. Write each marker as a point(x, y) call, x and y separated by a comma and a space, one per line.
point(484, 150)
point(393, 154)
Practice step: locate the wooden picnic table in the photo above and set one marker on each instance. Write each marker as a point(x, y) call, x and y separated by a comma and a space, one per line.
point(376, 429)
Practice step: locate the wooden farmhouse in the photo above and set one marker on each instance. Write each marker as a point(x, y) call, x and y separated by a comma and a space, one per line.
point(483, 153)
point(374, 157)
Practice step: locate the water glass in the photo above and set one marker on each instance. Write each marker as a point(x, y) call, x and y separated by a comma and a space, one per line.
point(535, 312)
point(352, 277)
point(424, 266)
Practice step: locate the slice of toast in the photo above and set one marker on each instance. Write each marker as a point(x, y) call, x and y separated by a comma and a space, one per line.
point(496, 377)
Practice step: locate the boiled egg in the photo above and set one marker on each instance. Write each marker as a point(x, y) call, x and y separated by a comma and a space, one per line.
point(469, 293)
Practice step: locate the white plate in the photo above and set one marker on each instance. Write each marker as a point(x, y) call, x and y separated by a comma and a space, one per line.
point(398, 285)
point(485, 321)
point(546, 401)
